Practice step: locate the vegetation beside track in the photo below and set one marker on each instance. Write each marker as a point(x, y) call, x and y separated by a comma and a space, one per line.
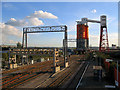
point(109, 67)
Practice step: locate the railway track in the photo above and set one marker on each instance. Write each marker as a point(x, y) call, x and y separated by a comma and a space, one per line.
point(25, 67)
point(85, 69)
point(75, 82)
point(56, 82)
point(60, 80)
point(32, 71)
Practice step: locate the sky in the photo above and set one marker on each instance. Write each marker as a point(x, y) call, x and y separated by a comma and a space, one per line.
point(119, 24)
point(16, 15)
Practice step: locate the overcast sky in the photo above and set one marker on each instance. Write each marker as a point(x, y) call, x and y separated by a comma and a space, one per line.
point(16, 15)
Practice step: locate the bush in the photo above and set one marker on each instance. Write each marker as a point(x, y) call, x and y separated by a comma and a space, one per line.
point(88, 56)
point(103, 55)
point(110, 73)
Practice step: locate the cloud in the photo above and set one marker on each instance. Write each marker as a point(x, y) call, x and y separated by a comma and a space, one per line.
point(22, 23)
point(112, 39)
point(32, 20)
point(35, 22)
point(111, 19)
point(41, 14)
point(7, 5)
point(15, 22)
point(10, 30)
point(71, 28)
point(94, 11)
point(72, 36)
point(94, 40)
point(7, 41)
point(12, 42)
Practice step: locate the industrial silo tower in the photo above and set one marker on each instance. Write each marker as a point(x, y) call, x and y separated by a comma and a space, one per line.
point(82, 36)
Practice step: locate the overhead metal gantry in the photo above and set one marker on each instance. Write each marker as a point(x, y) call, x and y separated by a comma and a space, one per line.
point(86, 20)
point(32, 51)
point(43, 29)
point(69, 40)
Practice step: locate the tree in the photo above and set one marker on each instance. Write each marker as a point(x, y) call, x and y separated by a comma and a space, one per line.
point(4, 59)
point(19, 45)
point(5, 56)
point(18, 58)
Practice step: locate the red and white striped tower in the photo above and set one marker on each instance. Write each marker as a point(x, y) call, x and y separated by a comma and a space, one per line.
point(104, 45)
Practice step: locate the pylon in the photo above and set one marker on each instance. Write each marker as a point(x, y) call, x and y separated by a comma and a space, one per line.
point(104, 45)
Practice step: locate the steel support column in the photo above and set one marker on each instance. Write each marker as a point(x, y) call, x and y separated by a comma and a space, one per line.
point(9, 55)
point(24, 41)
point(65, 47)
point(22, 60)
point(54, 58)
